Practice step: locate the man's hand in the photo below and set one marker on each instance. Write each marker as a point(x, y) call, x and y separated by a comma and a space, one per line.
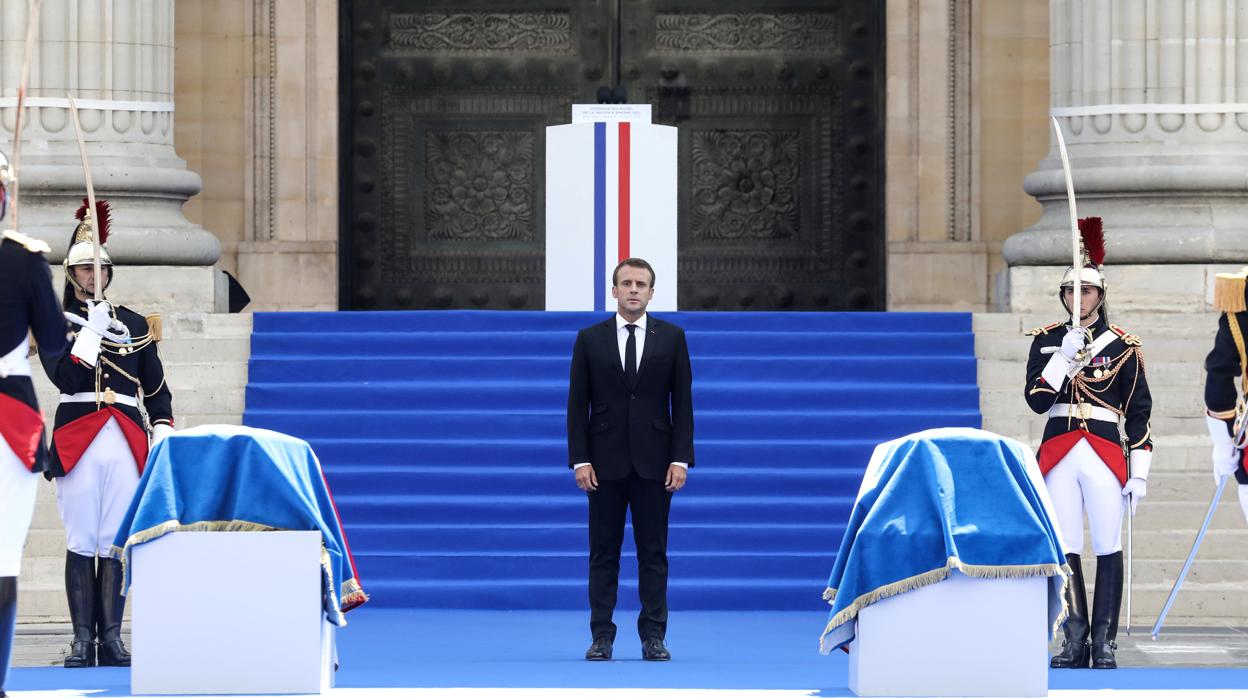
point(586, 478)
point(675, 477)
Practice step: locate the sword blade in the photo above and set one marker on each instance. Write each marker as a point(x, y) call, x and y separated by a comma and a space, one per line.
point(1077, 263)
point(1191, 557)
point(1130, 558)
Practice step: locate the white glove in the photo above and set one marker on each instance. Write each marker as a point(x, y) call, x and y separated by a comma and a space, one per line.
point(160, 432)
point(99, 316)
point(1073, 342)
point(1136, 489)
point(1224, 457)
point(1225, 461)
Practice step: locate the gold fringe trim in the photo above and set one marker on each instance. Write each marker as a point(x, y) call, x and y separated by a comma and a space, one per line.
point(1228, 292)
point(155, 327)
point(940, 574)
point(1224, 416)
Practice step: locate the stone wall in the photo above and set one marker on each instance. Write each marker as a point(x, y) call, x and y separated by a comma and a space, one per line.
point(256, 83)
point(967, 118)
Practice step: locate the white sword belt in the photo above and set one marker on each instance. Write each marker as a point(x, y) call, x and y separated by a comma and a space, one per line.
point(16, 363)
point(1083, 411)
point(107, 397)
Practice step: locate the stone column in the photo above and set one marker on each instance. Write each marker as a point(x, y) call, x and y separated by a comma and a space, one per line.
point(116, 58)
point(1152, 96)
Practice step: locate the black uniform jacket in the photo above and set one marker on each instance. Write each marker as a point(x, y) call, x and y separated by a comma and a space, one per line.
point(1222, 367)
point(121, 370)
point(619, 427)
point(27, 305)
point(1115, 380)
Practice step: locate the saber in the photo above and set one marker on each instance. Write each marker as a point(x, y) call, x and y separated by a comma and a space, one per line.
point(91, 212)
point(1075, 239)
point(1130, 557)
point(1191, 557)
point(32, 24)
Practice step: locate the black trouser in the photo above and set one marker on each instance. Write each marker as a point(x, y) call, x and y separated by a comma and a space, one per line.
point(650, 504)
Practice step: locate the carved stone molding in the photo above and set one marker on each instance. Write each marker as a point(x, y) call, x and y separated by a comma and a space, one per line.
point(746, 32)
point(480, 32)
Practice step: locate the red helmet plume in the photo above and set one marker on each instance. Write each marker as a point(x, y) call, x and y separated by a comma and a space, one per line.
point(102, 220)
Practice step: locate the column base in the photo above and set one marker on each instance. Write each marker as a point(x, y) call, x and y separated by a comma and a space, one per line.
point(1159, 288)
point(165, 290)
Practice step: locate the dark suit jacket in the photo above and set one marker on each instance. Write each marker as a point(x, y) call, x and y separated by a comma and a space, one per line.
point(618, 427)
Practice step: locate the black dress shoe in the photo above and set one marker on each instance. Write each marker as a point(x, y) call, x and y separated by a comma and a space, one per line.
point(600, 651)
point(653, 650)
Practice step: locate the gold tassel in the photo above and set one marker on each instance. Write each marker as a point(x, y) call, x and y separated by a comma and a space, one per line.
point(155, 327)
point(1228, 293)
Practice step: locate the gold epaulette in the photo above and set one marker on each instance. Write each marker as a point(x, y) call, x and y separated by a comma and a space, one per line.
point(155, 327)
point(1041, 330)
point(31, 244)
point(1127, 338)
point(1228, 292)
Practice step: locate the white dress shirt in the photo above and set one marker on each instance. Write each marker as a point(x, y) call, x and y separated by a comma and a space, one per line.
point(621, 337)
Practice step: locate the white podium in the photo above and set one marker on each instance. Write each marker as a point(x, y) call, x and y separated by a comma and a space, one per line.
point(611, 185)
point(227, 613)
point(961, 637)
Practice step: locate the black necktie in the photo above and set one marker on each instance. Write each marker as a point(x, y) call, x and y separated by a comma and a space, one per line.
point(630, 356)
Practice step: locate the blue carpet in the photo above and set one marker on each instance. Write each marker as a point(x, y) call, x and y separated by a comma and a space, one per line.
point(443, 438)
point(543, 649)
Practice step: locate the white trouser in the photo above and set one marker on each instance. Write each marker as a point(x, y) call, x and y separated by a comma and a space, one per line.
point(17, 505)
point(1243, 499)
point(1082, 481)
point(95, 495)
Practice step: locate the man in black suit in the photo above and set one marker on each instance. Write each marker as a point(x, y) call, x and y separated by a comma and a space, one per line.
point(630, 445)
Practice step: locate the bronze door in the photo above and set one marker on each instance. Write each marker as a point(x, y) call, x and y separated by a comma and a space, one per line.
point(780, 109)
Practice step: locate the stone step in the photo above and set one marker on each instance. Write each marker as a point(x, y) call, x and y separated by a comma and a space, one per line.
point(42, 603)
point(205, 349)
point(213, 325)
point(1154, 573)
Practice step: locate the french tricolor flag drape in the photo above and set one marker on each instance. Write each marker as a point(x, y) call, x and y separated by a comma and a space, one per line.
point(610, 195)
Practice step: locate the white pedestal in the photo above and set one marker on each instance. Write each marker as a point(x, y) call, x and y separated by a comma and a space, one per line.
point(961, 637)
point(217, 613)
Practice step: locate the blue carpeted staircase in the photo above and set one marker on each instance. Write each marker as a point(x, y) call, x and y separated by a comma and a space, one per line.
point(443, 437)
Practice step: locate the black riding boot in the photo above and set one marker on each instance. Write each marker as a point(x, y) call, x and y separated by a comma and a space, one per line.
point(8, 624)
point(1105, 606)
point(110, 605)
point(80, 591)
point(1074, 654)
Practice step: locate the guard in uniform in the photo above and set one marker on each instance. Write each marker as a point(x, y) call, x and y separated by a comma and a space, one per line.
point(1089, 380)
point(1225, 410)
point(112, 388)
point(27, 305)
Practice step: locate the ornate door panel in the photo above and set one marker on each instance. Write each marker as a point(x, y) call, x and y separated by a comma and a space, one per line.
point(780, 109)
point(779, 106)
point(444, 139)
